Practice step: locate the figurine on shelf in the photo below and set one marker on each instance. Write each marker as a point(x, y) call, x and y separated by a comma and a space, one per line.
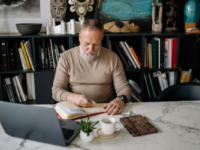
point(157, 16)
point(172, 15)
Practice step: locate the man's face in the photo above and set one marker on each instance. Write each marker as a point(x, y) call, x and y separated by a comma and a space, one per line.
point(58, 9)
point(90, 41)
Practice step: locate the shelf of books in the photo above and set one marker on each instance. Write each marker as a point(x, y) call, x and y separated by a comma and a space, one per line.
point(151, 62)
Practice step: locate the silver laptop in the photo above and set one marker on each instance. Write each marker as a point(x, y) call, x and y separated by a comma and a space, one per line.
point(36, 123)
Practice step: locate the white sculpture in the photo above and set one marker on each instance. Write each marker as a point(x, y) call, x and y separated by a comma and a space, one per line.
point(81, 8)
point(157, 19)
point(71, 27)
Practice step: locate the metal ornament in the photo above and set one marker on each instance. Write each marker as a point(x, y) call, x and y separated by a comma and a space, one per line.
point(81, 8)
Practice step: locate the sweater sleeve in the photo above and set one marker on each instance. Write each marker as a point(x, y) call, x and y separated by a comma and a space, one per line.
point(120, 81)
point(61, 79)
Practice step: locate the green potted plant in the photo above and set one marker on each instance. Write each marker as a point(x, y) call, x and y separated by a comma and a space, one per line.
point(87, 129)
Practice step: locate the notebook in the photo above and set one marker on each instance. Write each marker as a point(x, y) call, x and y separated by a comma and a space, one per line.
point(69, 110)
point(36, 123)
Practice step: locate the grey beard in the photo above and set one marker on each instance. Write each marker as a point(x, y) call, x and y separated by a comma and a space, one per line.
point(89, 58)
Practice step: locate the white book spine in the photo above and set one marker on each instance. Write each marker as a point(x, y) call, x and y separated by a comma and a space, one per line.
point(133, 57)
point(164, 79)
point(160, 80)
point(24, 98)
point(169, 53)
point(17, 90)
point(30, 86)
point(128, 55)
point(22, 59)
point(171, 78)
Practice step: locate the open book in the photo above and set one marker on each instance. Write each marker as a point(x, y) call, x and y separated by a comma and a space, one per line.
point(69, 110)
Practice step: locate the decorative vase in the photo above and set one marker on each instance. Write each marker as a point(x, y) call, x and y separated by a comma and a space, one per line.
point(86, 138)
point(192, 11)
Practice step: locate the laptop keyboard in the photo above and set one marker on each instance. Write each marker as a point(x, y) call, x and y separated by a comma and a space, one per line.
point(67, 133)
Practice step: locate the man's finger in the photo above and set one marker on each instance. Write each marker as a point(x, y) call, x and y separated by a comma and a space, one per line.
point(105, 106)
point(111, 109)
point(115, 111)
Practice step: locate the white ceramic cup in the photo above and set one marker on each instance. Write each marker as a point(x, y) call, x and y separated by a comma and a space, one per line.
point(108, 126)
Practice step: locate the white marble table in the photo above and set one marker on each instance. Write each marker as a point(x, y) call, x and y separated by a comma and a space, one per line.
point(178, 124)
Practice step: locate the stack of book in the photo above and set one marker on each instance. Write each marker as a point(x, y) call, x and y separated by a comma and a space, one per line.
point(19, 88)
point(49, 53)
point(69, 110)
point(153, 53)
point(13, 56)
point(127, 55)
point(135, 91)
point(157, 81)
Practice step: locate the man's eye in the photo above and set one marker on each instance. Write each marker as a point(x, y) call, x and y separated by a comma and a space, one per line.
point(61, 8)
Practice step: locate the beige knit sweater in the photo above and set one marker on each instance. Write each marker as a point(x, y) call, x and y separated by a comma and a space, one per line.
point(97, 79)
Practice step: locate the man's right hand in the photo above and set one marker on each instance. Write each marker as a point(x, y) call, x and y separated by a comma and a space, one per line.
point(79, 100)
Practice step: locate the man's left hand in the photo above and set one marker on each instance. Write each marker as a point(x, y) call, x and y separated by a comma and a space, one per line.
point(114, 107)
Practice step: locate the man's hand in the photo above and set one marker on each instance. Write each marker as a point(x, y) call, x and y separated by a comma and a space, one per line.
point(79, 100)
point(114, 107)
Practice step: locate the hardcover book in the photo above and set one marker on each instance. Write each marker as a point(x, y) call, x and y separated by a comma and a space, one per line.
point(69, 110)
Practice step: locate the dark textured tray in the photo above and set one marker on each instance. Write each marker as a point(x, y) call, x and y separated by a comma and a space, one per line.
point(137, 125)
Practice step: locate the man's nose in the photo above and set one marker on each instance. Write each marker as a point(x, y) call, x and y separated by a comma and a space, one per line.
point(91, 48)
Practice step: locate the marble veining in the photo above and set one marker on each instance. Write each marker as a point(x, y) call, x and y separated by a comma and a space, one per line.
point(178, 125)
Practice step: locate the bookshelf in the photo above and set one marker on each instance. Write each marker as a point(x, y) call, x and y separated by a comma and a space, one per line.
point(187, 56)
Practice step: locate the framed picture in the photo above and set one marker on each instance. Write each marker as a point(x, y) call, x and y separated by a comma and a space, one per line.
point(24, 11)
point(137, 11)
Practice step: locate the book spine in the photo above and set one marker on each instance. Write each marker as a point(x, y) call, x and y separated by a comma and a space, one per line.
point(53, 54)
point(17, 90)
point(128, 54)
point(169, 54)
point(25, 55)
point(14, 90)
point(43, 58)
point(145, 54)
point(24, 98)
point(4, 55)
point(174, 53)
point(8, 56)
point(164, 78)
point(131, 54)
point(154, 53)
point(156, 83)
point(22, 58)
point(121, 55)
point(29, 53)
point(50, 58)
point(12, 58)
point(152, 86)
point(166, 53)
point(10, 90)
point(160, 80)
point(150, 55)
point(133, 86)
point(18, 59)
point(145, 78)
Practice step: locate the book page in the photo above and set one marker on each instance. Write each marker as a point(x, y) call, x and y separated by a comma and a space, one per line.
point(94, 109)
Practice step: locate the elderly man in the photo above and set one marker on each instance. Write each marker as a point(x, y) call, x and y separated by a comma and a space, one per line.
point(93, 70)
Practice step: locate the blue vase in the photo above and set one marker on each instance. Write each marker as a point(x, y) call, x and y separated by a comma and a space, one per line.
point(192, 11)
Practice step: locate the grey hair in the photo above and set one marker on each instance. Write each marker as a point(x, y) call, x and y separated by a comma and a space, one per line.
point(92, 24)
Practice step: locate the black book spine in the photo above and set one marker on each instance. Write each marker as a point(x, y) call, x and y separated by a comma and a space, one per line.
point(121, 55)
point(135, 93)
point(156, 83)
point(8, 56)
point(12, 58)
point(50, 57)
point(1, 60)
point(10, 90)
point(152, 86)
point(148, 86)
point(4, 55)
point(17, 57)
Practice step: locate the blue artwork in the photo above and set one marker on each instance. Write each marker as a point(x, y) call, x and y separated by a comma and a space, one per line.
point(136, 11)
